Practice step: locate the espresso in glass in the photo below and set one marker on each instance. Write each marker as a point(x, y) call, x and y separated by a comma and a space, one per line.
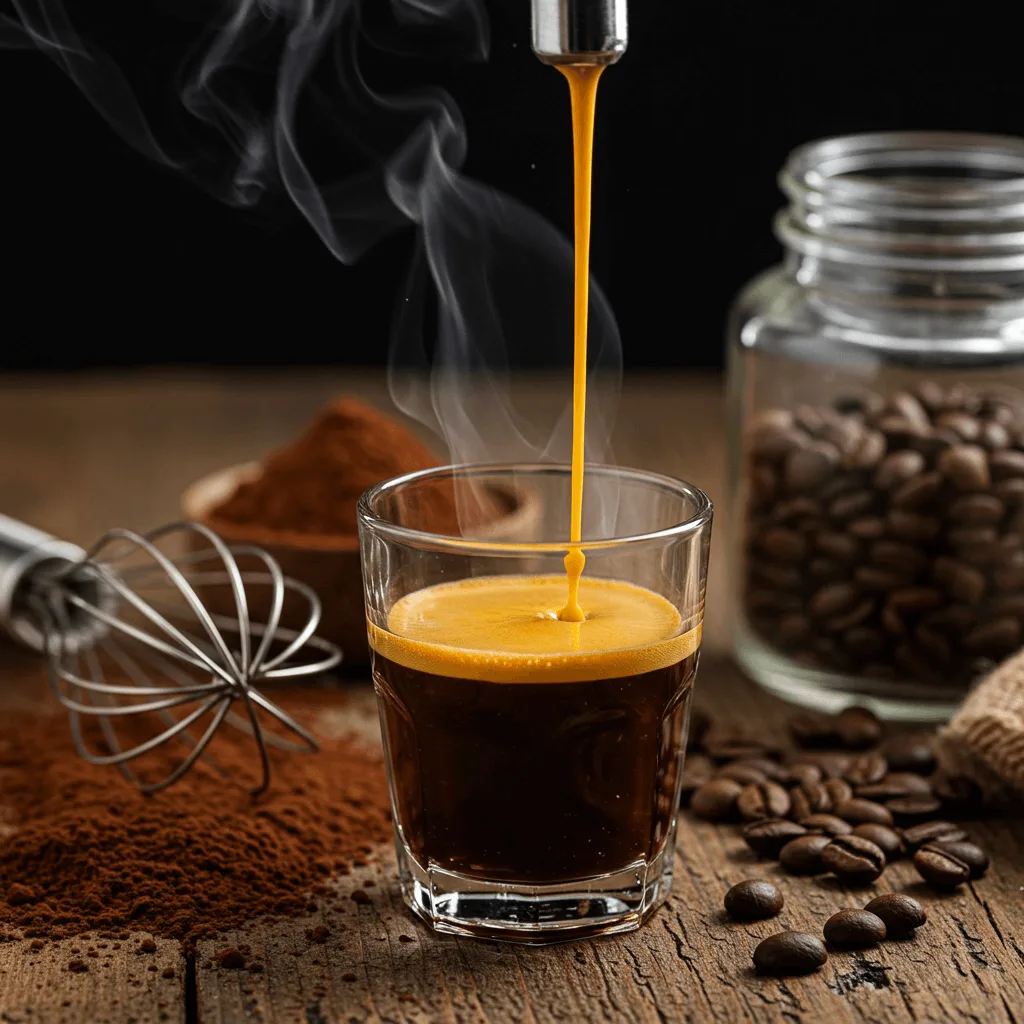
point(529, 750)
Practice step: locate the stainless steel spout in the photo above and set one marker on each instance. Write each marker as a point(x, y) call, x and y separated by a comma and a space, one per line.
point(579, 31)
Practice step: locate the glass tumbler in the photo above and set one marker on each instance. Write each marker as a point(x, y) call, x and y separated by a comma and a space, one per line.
point(534, 770)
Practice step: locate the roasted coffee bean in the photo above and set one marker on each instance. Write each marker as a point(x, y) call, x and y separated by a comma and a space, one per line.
point(853, 859)
point(782, 544)
point(909, 809)
point(763, 800)
point(871, 577)
point(887, 839)
point(965, 466)
point(913, 526)
point(833, 599)
point(854, 929)
point(976, 510)
point(810, 729)
point(801, 774)
point(905, 405)
point(930, 831)
point(1010, 491)
point(915, 599)
point(997, 637)
point(811, 798)
point(899, 557)
point(858, 728)
point(858, 811)
point(970, 853)
point(716, 800)
point(941, 869)
point(840, 546)
point(724, 745)
point(967, 428)
point(741, 773)
point(826, 825)
point(810, 466)
point(689, 782)
point(864, 641)
point(901, 914)
point(995, 437)
point(831, 764)
point(794, 629)
point(896, 784)
point(867, 768)
point(838, 790)
point(898, 467)
point(802, 856)
point(960, 796)
point(918, 491)
point(854, 617)
point(1005, 465)
point(851, 506)
point(790, 953)
point(868, 528)
point(867, 452)
point(769, 768)
point(962, 582)
point(768, 836)
point(753, 900)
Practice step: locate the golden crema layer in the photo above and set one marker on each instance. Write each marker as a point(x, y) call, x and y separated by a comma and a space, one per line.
point(505, 629)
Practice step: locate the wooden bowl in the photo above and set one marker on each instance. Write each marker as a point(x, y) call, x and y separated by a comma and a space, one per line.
point(328, 564)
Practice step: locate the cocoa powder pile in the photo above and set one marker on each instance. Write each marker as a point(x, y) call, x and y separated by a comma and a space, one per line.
point(82, 850)
point(311, 487)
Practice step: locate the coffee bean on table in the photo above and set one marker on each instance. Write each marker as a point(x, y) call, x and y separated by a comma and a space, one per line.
point(802, 856)
point(901, 914)
point(960, 796)
point(909, 752)
point(930, 831)
point(896, 784)
point(965, 466)
point(763, 800)
point(970, 853)
point(742, 773)
point(790, 953)
point(887, 839)
point(767, 836)
point(867, 768)
point(753, 900)
point(838, 790)
point(857, 811)
point(853, 859)
point(909, 809)
point(811, 798)
point(830, 763)
point(941, 869)
point(826, 825)
point(715, 800)
point(801, 775)
point(854, 929)
point(858, 728)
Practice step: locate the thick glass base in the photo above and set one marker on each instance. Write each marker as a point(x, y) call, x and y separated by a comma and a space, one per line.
point(830, 692)
point(535, 914)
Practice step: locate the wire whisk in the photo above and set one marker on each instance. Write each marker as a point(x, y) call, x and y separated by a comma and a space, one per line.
point(173, 624)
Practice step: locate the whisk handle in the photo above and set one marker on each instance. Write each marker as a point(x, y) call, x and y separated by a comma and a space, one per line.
point(23, 550)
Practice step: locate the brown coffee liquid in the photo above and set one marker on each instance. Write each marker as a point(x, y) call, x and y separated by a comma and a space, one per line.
point(538, 750)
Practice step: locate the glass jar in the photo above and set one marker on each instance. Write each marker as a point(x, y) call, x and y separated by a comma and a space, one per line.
point(876, 386)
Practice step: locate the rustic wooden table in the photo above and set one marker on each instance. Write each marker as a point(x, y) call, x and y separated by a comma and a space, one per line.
point(82, 454)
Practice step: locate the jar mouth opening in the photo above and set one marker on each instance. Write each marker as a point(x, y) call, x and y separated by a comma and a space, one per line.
point(946, 201)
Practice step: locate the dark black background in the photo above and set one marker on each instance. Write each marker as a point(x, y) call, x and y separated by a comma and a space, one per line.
point(109, 259)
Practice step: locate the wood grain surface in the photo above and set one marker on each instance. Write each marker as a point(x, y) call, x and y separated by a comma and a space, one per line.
point(84, 454)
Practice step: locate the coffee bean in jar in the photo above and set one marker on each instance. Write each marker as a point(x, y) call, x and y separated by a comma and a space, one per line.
point(885, 535)
point(876, 378)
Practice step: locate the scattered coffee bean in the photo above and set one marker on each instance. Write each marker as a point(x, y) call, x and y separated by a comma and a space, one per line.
point(811, 798)
point(965, 466)
point(790, 953)
point(853, 859)
point(838, 790)
point(831, 764)
point(858, 728)
point(909, 752)
point(930, 831)
point(801, 775)
point(854, 929)
point(887, 839)
point(826, 825)
point(960, 796)
point(858, 811)
point(763, 800)
point(941, 869)
point(970, 853)
point(767, 836)
point(716, 800)
point(896, 784)
point(741, 772)
point(909, 809)
point(867, 768)
point(901, 914)
point(753, 900)
point(802, 856)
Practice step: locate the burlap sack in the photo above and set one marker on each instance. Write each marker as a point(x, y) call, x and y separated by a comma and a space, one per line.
point(985, 739)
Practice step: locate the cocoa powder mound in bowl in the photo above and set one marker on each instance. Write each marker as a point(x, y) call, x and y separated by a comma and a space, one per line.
point(300, 507)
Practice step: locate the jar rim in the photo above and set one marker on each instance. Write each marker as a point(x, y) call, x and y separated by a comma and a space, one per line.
point(928, 201)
